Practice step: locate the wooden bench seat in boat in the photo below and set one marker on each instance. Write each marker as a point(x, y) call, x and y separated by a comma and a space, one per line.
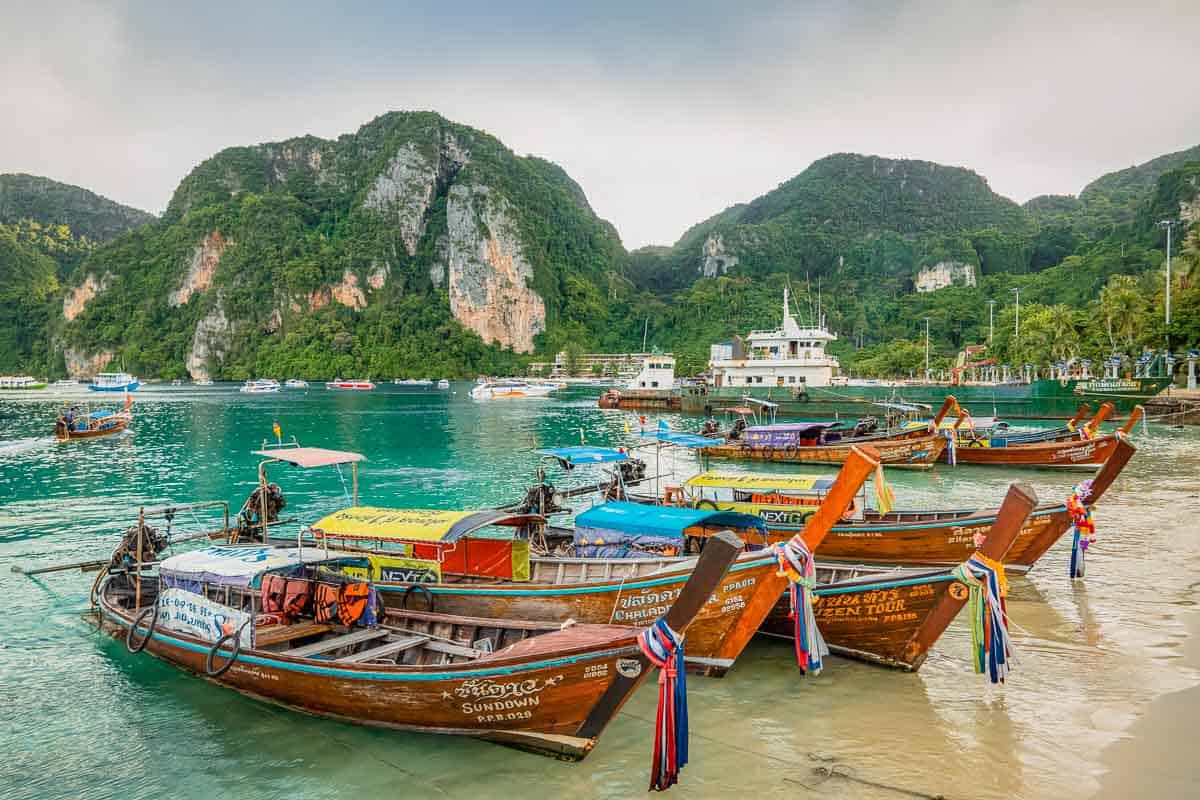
point(336, 643)
point(278, 634)
point(384, 650)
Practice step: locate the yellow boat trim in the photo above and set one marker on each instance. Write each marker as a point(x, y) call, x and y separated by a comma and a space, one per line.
point(734, 480)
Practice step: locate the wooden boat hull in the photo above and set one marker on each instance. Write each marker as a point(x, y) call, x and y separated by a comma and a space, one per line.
point(1072, 453)
point(891, 618)
point(556, 704)
point(65, 436)
point(716, 637)
point(914, 451)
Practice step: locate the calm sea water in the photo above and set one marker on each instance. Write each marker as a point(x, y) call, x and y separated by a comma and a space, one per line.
point(82, 718)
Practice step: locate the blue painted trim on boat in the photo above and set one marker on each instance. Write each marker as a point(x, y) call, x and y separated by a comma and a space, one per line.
point(335, 672)
point(607, 587)
point(860, 587)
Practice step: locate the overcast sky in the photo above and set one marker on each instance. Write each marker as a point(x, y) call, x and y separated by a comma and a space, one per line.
point(665, 113)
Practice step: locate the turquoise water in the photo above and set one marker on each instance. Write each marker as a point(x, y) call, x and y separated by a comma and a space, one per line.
point(82, 718)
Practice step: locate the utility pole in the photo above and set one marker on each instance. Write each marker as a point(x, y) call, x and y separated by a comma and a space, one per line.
point(927, 348)
point(991, 319)
point(1017, 324)
point(1168, 224)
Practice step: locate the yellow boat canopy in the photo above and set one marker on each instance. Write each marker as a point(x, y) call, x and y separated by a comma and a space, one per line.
point(415, 524)
point(736, 480)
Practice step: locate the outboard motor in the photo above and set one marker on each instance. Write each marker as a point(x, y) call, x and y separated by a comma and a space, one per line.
point(633, 470)
point(736, 431)
point(542, 498)
point(865, 426)
point(126, 554)
point(250, 525)
point(711, 427)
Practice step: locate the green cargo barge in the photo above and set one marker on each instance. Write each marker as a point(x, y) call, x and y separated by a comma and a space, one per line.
point(1039, 399)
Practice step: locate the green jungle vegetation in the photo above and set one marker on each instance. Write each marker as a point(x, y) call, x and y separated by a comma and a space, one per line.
point(854, 230)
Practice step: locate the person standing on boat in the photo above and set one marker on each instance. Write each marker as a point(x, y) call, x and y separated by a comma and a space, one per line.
point(69, 418)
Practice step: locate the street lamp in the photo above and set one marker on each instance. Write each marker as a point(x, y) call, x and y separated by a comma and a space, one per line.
point(991, 319)
point(1017, 324)
point(927, 348)
point(1168, 224)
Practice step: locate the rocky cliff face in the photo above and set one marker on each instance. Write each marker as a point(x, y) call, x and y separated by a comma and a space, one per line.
point(943, 274)
point(714, 259)
point(210, 343)
point(406, 188)
point(81, 364)
point(487, 272)
point(202, 268)
point(77, 298)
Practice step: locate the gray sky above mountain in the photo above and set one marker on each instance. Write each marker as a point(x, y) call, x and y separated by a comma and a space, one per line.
point(664, 112)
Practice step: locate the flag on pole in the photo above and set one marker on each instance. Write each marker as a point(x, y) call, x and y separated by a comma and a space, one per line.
point(885, 498)
point(278, 432)
point(627, 430)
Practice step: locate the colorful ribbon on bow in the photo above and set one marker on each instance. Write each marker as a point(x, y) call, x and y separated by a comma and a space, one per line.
point(796, 562)
point(988, 612)
point(951, 435)
point(1083, 527)
point(885, 498)
point(664, 648)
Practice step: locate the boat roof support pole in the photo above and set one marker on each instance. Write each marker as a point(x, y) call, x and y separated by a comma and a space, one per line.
point(354, 480)
point(137, 600)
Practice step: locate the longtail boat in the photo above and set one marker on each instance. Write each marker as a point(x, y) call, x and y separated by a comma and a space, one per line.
point(447, 568)
point(79, 421)
point(1081, 451)
point(893, 617)
point(925, 537)
point(918, 446)
point(298, 627)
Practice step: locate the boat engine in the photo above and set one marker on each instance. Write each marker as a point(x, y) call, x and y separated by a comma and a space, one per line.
point(126, 554)
point(542, 498)
point(865, 426)
point(711, 427)
point(738, 426)
point(633, 470)
point(249, 520)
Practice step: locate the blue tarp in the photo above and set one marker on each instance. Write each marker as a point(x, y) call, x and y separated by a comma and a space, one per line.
point(585, 455)
point(612, 529)
point(681, 439)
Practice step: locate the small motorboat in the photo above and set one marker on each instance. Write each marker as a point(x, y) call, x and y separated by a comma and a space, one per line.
point(350, 385)
point(511, 388)
point(66, 383)
point(443, 384)
point(114, 382)
point(260, 386)
point(295, 383)
point(177, 382)
point(203, 382)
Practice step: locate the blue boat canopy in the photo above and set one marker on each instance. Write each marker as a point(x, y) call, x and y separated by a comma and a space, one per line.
point(620, 529)
point(582, 454)
point(681, 439)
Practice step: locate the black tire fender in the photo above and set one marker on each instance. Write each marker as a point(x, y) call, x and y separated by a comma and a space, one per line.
point(140, 646)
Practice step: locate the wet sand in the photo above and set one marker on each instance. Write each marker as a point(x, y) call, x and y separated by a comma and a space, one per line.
point(1158, 756)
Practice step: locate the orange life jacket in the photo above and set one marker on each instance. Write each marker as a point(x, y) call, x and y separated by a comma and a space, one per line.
point(272, 593)
point(297, 597)
point(326, 602)
point(352, 601)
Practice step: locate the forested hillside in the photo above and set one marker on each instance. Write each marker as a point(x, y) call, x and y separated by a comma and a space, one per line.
point(417, 247)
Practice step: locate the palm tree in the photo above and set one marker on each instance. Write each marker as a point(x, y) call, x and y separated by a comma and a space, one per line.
point(1189, 259)
point(1062, 334)
point(1121, 307)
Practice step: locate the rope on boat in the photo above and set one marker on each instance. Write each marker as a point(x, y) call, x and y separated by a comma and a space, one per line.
point(1083, 526)
point(664, 648)
point(988, 613)
point(796, 562)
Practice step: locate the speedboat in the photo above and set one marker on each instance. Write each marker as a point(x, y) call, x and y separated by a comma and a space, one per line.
point(203, 382)
point(510, 388)
point(260, 386)
point(65, 383)
point(114, 382)
point(20, 382)
point(295, 383)
point(443, 384)
point(350, 385)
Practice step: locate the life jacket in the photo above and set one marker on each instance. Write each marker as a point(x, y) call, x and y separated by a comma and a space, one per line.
point(325, 602)
point(352, 601)
point(273, 593)
point(297, 597)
